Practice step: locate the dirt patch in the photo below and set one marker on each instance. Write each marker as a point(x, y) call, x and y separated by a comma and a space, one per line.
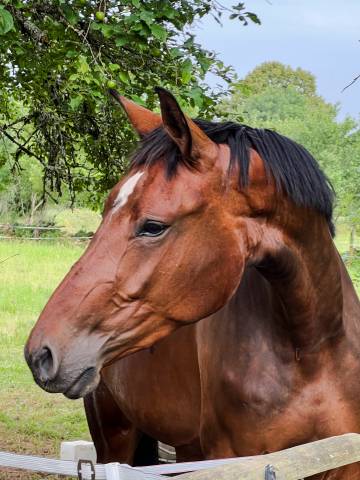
point(23, 445)
point(10, 474)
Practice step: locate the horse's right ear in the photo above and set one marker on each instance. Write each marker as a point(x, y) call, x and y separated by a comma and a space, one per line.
point(191, 140)
point(143, 120)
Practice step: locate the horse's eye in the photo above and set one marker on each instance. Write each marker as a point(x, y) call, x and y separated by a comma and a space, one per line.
point(151, 228)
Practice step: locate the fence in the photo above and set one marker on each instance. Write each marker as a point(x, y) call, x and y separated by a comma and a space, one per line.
point(291, 464)
point(36, 233)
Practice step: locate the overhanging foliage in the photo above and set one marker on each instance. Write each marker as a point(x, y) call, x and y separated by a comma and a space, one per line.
point(57, 59)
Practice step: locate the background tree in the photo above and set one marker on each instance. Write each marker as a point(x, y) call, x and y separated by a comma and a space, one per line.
point(276, 74)
point(57, 59)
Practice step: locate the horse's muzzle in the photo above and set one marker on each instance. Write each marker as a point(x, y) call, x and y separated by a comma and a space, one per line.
point(53, 377)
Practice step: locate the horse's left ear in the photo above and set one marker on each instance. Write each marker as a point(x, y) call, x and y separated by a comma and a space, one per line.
point(143, 120)
point(191, 140)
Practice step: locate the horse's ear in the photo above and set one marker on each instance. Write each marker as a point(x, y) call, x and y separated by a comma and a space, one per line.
point(191, 140)
point(143, 120)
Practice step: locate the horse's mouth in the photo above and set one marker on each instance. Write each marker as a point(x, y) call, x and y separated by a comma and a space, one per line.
point(83, 384)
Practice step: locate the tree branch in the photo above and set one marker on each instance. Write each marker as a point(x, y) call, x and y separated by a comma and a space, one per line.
point(351, 83)
point(21, 147)
point(28, 27)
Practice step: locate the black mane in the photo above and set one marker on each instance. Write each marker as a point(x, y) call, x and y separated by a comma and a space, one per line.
point(294, 169)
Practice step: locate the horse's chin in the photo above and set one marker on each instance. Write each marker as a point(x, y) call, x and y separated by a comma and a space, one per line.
point(84, 384)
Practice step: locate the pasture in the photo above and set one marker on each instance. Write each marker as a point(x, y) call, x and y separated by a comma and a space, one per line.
point(32, 421)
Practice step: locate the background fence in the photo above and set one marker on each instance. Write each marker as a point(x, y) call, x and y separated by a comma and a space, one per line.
point(38, 232)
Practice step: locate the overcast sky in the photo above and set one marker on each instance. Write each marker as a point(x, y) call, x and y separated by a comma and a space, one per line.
point(321, 36)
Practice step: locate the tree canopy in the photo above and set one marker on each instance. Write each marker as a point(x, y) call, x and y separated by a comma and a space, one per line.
point(276, 74)
point(58, 58)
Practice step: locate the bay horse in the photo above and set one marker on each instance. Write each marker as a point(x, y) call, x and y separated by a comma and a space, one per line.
point(211, 310)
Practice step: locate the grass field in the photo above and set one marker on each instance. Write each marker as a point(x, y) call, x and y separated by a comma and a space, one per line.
point(32, 421)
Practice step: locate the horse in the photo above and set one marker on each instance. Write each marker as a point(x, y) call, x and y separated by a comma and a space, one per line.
point(211, 309)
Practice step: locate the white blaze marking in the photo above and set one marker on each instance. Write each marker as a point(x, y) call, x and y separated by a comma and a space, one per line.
point(126, 190)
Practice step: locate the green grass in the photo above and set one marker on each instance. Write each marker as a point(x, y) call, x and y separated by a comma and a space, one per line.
point(352, 263)
point(32, 421)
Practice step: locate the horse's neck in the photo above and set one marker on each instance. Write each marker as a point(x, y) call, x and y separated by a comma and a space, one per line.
point(306, 284)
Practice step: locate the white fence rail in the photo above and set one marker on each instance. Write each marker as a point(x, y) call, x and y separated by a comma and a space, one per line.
point(290, 464)
point(110, 471)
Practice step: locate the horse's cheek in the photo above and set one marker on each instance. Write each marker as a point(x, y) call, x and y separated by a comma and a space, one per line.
point(205, 285)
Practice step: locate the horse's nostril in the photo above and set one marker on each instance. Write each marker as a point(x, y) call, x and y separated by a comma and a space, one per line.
point(44, 365)
point(46, 361)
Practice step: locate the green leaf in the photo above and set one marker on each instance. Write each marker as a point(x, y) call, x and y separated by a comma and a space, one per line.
point(189, 43)
point(121, 41)
point(158, 31)
point(70, 15)
point(147, 17)
point(83, 66)
point(107, 30)
point(95, 26)
point(168, 12)
point(175, 52)
point(197, 95)
point(6, 21)
point(71, 54)
point(186, 70)
point(124, 77)
point(138, 100)
point(75, 102)
point(205, 63)
point(254, 18)
point(114, 67)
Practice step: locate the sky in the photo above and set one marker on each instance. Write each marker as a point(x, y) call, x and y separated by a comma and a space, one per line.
point(321, 36)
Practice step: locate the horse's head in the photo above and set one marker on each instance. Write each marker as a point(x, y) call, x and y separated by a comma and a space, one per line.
point(176, 234)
